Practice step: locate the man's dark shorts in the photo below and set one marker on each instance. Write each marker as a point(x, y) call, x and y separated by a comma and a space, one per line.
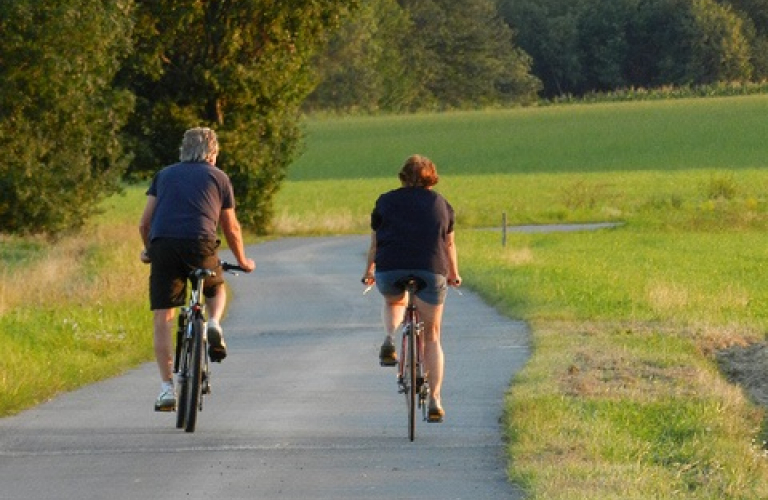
point(172, 261)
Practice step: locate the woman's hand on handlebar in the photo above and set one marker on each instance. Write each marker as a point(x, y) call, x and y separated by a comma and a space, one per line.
point(454, 281)
point(368, 280)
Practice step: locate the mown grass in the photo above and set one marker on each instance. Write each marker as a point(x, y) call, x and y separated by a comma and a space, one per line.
point(622, 397)
point(575, 139)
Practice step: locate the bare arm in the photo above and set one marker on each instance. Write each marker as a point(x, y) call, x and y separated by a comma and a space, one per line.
point(453, 261)
point(230, 226)
point(370, 266)
point(145, 224)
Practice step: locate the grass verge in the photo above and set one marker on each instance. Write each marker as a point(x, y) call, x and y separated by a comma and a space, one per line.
point(622, 397)
point(72, 313)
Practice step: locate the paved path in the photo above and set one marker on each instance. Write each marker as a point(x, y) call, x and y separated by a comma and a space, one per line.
point(300, 409)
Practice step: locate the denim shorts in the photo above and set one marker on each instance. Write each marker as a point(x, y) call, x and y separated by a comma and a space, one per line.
point(434, 293)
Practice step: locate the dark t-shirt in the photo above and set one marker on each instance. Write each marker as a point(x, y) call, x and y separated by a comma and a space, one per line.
point(190, 198)
point(412, 225)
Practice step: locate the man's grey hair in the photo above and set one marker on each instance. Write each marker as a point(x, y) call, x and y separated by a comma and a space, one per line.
point(199, 144)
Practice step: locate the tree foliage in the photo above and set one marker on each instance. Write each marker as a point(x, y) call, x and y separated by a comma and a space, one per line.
point(754, 14)
point(238, 67)
point(422, 54)
point(366, 63)
point(596, 45)
point(60, 117)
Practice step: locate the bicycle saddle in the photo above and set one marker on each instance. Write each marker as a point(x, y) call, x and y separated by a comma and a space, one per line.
point(417, 283)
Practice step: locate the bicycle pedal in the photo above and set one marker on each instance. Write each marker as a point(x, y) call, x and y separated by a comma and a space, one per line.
point(388, 363)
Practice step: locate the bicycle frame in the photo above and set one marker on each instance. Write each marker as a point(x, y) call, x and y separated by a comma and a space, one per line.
point(412, 377)
point(191, 363)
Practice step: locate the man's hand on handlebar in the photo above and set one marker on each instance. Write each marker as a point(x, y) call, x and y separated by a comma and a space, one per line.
point(249, 266)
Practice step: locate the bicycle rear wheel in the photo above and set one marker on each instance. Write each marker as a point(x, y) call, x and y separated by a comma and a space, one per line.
point(194, 380)
point(411, 394)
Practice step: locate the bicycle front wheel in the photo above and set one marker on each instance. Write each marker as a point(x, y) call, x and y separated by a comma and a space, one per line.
point(194, 381)
point(183, 359)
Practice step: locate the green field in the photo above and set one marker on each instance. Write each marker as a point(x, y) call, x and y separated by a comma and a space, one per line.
point(630, 161)
point(616, 137)
point(622, 397)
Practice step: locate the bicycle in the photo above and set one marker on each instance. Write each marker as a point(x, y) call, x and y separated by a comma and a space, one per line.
point(412, 378)
point(191, 363)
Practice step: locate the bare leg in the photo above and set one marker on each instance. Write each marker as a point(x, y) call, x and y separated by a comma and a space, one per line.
point(434, 360)
point(163, 341)
point(392, 312)
point(217, 304)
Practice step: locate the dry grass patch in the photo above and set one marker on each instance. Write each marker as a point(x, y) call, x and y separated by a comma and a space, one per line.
point(343, 222)
point(631, 410)
point(517, 256)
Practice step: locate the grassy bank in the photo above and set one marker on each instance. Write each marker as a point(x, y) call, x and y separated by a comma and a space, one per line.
point(72, 313)
point(622, 397)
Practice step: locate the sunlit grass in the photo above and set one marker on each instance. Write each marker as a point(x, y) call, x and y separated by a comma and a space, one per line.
point(622, 397)
point(681, 199)
point(722, 133)
point(73, 313)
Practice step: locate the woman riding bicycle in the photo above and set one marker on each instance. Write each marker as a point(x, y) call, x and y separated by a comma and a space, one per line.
point(413, 235)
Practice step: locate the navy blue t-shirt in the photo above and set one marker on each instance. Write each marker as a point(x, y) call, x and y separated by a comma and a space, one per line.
point(190, 198)
point(412, 225)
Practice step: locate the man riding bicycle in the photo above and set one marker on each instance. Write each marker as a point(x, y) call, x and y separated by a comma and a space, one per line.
point(186, 203)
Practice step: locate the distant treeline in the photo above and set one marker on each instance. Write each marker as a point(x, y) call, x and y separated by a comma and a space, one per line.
point(401, 55)
point(582, 46)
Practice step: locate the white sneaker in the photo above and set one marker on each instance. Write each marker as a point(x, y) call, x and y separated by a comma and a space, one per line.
point(166, 401)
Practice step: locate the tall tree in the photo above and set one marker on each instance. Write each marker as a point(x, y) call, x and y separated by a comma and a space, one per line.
point(721, 50)
point(755, 16)
point(469, 56)
point(239, 67)
point(411, 55)
point(59, 115)
point(366, 64)
point(548, 30)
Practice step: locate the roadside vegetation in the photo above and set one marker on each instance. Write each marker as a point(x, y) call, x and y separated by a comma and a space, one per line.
point(622, 396)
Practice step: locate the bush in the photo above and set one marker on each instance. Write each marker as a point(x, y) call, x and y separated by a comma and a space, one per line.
point(59, 116)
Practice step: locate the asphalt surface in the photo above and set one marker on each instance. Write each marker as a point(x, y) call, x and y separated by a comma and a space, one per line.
point(300, 409)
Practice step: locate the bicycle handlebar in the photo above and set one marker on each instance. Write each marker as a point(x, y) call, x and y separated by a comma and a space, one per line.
point(226, 266)
point(369, 287)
